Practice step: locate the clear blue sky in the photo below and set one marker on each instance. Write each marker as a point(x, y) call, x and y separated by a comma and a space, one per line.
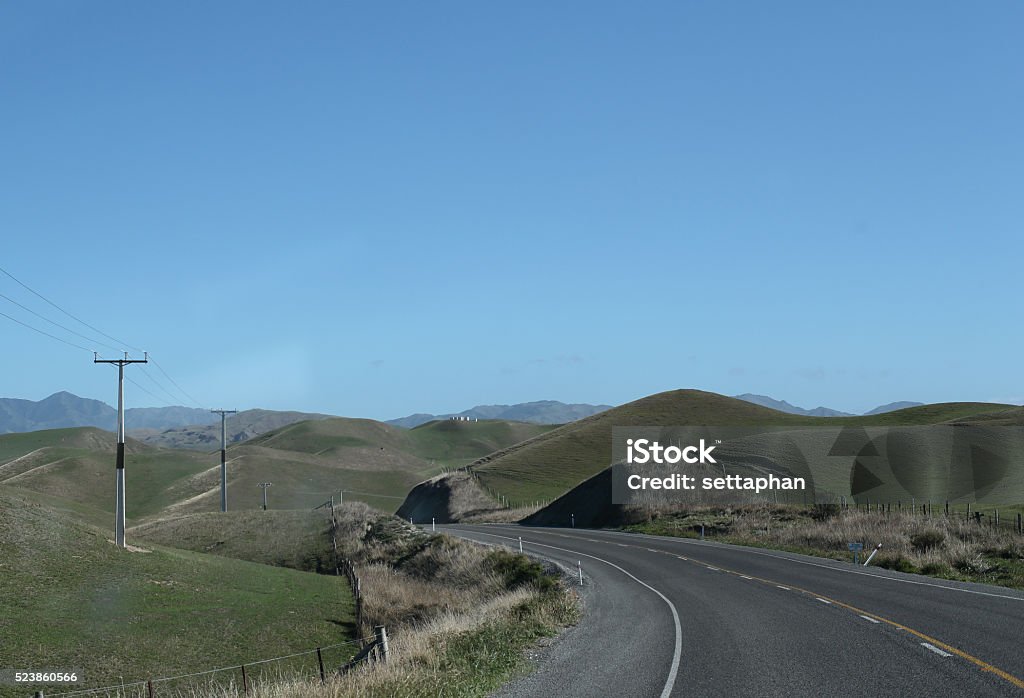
point(373, 209)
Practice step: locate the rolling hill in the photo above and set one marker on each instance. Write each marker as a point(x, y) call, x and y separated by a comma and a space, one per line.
point(76, 467)
point(307, 462)
point(550, 465)
point(205, 435)
point(373, 462)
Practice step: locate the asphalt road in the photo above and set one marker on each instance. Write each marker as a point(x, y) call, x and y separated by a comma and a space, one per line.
point(682, 617)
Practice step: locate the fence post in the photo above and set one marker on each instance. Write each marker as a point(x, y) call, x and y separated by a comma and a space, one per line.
point(245, 681)
point(382, 642)
point(320, 661)
point(1020, 523)
point(149, 688)
point(947, 507)
point(968, 511)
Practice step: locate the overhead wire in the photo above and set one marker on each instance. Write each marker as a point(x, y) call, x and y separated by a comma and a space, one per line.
point(147, 392)
point(51, 336)
point(73, 317)
point(175, 383)
point(154, 381)
point(57, 324)
point(90, 339)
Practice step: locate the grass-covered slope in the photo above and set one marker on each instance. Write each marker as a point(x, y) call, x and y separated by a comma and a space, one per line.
point(77, 466)
point(373, 462)
point(298, 539)
point(70, 598)
point(308, 461)
point(550, 464)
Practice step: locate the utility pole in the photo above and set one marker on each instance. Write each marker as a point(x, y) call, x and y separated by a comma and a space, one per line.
point(224, 457)
point(264, 486)
point(119, 509)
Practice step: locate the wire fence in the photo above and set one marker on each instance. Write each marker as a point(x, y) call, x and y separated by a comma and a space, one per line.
point(345, 567)
point(990, 516)
point(324, 662)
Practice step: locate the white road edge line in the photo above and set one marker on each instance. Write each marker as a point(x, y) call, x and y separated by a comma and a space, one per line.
point(743, 576)
point(870, 619)
point(782, 587)
point(823, 600)
point(936, 650)
point(712, 568)
point(742, 549)
point(677, 652)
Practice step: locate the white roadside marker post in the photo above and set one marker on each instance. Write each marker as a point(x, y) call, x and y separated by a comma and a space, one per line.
point(873, 552)
point(579, 566)
point(432, 526)
point(520, 544)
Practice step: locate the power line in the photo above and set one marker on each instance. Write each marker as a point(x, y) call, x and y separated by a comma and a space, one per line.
point(57, 324)
point(33, 291)
point(174, 383)
point(51, 336)
point(158, 385)
point(159, 399)
point(90, 339)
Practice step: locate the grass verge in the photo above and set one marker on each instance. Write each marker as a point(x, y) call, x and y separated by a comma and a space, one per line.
point(947, 548)
point(71, 599)
point(459, 616)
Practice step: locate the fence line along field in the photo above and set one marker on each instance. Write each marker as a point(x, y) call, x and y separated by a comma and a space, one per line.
point(74, 599)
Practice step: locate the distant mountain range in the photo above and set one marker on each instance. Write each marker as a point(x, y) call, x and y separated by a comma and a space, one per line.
point(187, 427)
point(893, 406)
point(176, 427)
point(63, 409)
point(541, 412)
point(783, 406)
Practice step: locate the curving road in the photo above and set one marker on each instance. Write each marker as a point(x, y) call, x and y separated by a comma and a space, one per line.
point(682, 617)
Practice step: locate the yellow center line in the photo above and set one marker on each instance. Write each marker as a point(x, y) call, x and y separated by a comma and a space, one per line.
point(981, 663)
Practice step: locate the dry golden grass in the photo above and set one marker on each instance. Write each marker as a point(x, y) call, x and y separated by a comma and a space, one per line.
point(458, 616)
point(938, 545)
point(415, 652)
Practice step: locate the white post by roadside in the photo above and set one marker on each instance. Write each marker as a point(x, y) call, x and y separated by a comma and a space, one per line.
point(873, 552)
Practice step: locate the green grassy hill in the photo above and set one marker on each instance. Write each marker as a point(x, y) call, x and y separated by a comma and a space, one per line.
point(298, 539)
point(373, 462)
point(67, 590)
point(307, 462)
point(77, 466)
point(550, 464)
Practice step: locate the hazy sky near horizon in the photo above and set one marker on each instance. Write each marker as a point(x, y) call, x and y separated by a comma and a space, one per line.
point(377, 209)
